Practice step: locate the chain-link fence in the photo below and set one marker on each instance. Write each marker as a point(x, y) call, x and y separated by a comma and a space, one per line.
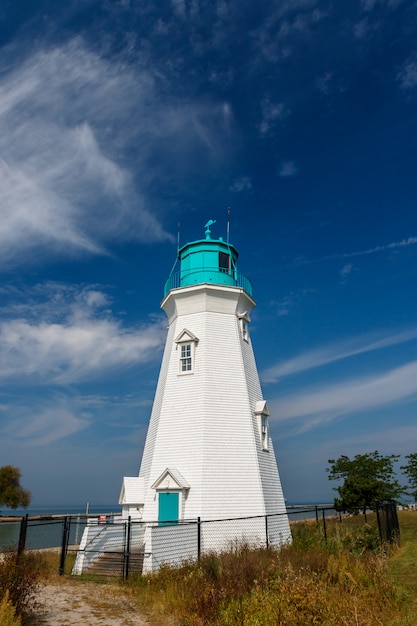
point(388, 526)
point(126, 546)
point(113, 546)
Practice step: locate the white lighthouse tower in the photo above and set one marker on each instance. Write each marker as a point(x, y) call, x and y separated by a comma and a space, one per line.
point(208, 452)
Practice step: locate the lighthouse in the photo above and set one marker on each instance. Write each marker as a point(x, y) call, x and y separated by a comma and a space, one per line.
point(208, 477)
point(208, 452)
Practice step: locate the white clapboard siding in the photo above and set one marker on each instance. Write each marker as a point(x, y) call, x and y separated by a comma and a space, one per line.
point(203, 423)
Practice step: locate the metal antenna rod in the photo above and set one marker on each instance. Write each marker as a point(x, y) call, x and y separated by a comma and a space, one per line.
point(178, 248)
point(228, 224)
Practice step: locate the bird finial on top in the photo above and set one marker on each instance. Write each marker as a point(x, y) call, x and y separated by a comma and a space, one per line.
point(207, 227)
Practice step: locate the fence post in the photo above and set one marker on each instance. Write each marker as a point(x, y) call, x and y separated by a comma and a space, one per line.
point(395, 535)
point(127, 547)
point(378, 518)
point(198, 538)
point(324, 525)
point(266, 532)
point(317, 513)
point(22, 534)
point(64, 545)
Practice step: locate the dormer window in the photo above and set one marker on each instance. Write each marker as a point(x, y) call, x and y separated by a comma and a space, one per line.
point(262, 414)
point(186, 343)
point(244, 326)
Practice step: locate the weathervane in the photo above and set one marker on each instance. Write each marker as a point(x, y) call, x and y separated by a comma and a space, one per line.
point(207, 227)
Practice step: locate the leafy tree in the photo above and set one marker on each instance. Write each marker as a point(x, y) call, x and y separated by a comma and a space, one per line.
point(367, 479)
point(12, 493)
point(411, 471)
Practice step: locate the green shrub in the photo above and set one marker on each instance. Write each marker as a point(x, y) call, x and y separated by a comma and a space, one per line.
point(361, 540)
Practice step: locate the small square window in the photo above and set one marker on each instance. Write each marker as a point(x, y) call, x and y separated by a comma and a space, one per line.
point(186, 362)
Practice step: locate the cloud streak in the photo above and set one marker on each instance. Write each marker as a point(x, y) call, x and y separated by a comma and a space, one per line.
point(44, 423)
point(410, 241)
point(358, 394)
point(395, 245)
point(333, 353)
point(62, 185)
point(67, 342)
point(82, 138)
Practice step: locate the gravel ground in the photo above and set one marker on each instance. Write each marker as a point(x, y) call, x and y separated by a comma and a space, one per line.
point(86, 604)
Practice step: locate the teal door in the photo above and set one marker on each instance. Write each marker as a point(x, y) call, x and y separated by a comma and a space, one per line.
point(168, 507)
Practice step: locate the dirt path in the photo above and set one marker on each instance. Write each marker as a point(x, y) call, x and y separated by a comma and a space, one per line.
point(72, 603)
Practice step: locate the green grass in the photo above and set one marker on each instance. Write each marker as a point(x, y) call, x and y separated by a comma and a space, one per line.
point(402, 568)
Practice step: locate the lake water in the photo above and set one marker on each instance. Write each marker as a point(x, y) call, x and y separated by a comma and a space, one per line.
point(48, 533)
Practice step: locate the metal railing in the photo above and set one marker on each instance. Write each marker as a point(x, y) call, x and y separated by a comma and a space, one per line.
point(210, 275)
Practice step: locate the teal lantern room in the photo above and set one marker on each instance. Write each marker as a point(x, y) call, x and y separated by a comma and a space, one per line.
point(208, 261)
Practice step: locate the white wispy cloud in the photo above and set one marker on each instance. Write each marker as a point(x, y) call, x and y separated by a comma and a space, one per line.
point(407, 76)
point(284, 23)
point(179, 7)
point(369, 5)
point(271, 113)
point(358, 394)
point(72, 338)
point(335, 352)
point(394, 245)
point(329, 83)
point(345, 272)
point(289, 301)
point(61, 183)
point(82, 138)
point(324, 83)
point(410, 241)
point(287, 168)
point(43, 423)
point(243, 183)
point(398, 438)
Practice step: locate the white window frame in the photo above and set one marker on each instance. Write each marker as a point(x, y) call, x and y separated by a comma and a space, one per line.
point(244, 326)
point(186, 364)
point(186, 341)
point(262, 414)
point(264, 432)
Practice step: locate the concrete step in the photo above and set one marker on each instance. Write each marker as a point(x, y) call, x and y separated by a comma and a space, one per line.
point(112, 564)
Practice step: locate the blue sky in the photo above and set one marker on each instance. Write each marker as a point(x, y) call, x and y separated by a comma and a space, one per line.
point(117, 120)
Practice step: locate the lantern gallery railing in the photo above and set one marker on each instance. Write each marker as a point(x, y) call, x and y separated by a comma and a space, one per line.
point(211, 275)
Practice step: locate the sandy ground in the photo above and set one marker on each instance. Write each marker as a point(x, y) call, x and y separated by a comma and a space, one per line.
point(86, 604)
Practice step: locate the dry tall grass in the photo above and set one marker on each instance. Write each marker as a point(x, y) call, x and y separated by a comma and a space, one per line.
point(19, 580)
point(338, 582)
point(8, 615)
